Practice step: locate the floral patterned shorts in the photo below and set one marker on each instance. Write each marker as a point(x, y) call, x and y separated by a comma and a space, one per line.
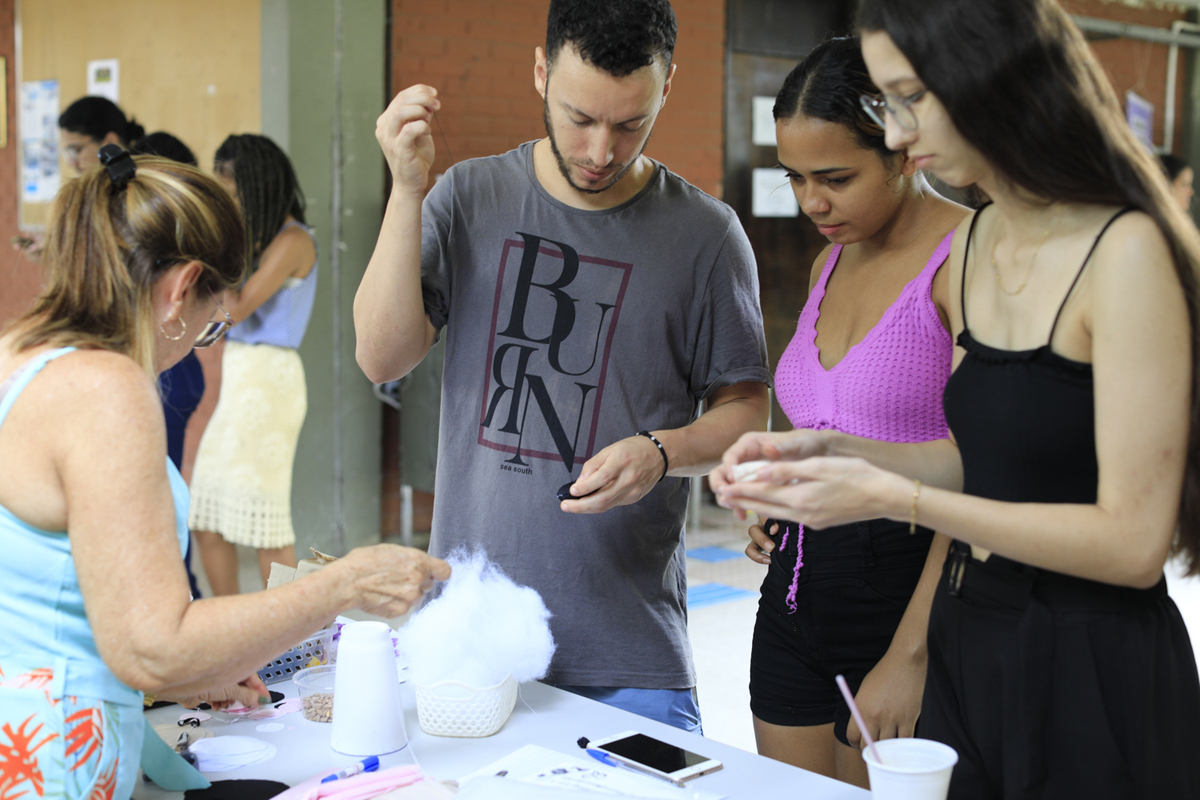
point(71, 747)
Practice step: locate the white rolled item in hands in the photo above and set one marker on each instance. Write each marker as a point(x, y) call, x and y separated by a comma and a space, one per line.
point(748, 470)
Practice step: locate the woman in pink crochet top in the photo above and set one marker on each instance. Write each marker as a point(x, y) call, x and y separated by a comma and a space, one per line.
point(868, 363)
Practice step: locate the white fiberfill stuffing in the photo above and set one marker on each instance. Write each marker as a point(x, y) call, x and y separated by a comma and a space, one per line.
point(479, 629)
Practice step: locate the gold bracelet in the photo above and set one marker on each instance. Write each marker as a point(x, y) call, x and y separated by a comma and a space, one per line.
point(912, 522)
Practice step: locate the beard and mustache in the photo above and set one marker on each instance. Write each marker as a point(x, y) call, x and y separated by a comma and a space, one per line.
point(565, 168)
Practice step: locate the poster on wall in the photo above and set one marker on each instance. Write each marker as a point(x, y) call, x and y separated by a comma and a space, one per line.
point(104, 78)
point(762, 126)
point(771, 194)
point(40, 175)
point(1140, 113)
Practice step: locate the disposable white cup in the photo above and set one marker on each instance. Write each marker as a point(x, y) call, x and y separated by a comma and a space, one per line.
point(912, 769)
point(368, 717)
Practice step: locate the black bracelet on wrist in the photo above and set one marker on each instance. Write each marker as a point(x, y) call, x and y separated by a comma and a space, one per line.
point(661, 450)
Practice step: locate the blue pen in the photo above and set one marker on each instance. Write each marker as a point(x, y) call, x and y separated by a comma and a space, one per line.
point(368, 764)
point(612, 761)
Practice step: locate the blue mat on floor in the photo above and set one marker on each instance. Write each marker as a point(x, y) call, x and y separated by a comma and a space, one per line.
point(710, 594)
point(714, 554)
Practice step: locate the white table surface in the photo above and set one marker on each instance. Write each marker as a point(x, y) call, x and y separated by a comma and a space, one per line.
point(544, 715)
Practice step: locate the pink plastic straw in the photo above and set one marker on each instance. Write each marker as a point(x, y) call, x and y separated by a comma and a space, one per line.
point(858, 717)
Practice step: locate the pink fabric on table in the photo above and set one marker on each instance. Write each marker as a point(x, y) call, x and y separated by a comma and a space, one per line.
point(267, 711)
point(359, 787)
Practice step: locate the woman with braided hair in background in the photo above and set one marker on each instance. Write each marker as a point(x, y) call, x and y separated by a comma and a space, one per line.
point(242, 478)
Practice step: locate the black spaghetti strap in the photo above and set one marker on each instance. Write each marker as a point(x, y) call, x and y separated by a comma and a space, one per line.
point(1086, 259)
point(962, 285)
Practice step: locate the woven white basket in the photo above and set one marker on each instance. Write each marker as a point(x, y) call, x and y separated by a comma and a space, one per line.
point(450, 708)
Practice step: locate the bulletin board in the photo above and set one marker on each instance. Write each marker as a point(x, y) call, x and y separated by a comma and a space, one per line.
point(189, 68)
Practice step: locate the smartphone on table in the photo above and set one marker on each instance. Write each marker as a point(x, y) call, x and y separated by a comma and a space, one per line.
point(647, 754)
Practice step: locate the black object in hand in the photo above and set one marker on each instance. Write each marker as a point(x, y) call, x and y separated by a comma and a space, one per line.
point(564, 492)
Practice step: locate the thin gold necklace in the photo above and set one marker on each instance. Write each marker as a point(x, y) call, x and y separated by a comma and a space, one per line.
point(1032, 261)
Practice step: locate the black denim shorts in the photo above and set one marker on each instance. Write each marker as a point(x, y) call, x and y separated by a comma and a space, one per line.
point(852, 591)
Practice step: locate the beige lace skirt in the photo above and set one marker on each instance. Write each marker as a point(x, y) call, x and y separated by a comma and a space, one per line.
point(242, 479)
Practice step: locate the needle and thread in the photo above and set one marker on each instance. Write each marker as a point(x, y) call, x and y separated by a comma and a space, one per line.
point(444, 140)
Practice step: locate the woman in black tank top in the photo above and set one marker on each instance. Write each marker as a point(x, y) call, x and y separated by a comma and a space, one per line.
point(1058, 667)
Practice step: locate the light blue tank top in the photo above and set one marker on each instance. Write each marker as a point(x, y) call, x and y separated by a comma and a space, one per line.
point(283, 319)
point(41, 608)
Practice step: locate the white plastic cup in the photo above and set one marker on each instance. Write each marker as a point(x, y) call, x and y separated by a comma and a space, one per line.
point(912, 769)
point(368, 717)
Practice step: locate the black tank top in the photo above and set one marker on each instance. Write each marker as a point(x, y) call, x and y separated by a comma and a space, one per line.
point(1024, 420)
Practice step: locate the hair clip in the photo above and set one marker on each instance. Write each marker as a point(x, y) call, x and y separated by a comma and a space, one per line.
point(120, 165)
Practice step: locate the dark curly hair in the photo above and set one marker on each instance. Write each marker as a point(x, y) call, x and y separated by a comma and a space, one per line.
point(617, 36)
point(826, 85)
point(267, 187)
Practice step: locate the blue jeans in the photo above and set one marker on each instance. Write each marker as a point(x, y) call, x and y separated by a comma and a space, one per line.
point(674, 707)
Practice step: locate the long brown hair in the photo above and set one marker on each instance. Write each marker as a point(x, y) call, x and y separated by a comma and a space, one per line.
point(1023, 87)
point(106, 246)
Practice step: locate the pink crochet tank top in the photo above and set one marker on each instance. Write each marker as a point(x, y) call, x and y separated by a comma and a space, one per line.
point(889, 386)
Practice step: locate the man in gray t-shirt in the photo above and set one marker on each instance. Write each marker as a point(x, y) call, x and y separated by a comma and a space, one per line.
point(590, 300)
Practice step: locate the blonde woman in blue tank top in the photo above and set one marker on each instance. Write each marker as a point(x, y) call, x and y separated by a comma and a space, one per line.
point(94, 605)
point(242, 478)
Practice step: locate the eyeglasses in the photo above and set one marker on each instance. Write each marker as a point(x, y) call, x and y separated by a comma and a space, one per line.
point(899, 107)
point(213, 331)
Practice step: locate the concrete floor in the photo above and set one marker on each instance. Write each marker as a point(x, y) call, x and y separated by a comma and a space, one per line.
point(724, 599)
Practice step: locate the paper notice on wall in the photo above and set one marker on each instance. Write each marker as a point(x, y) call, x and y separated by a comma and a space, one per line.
point(762, 125)
point(40, 176)
point(1140, 113)
point(104, 78)
point(771, 194)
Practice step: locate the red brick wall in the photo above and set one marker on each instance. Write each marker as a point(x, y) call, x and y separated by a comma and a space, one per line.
point(479, 56)
point(1139, 65)
point(20, 279)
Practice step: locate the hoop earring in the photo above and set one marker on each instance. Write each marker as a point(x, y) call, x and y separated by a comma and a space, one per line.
point(163, 330)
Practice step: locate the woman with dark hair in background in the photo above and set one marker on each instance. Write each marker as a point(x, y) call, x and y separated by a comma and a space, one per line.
point(863, 375)
point(242, 478)
point(1181, 176)
point(90, 123)
point(1058, 666)
point(181, 386)
point(161, 143)
point(94, 607)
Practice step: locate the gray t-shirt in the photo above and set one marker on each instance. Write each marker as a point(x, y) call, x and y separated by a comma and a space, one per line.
point(567, 330)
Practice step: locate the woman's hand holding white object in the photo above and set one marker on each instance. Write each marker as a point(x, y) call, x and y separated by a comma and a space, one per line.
point(819, 492)
point(387, 579)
